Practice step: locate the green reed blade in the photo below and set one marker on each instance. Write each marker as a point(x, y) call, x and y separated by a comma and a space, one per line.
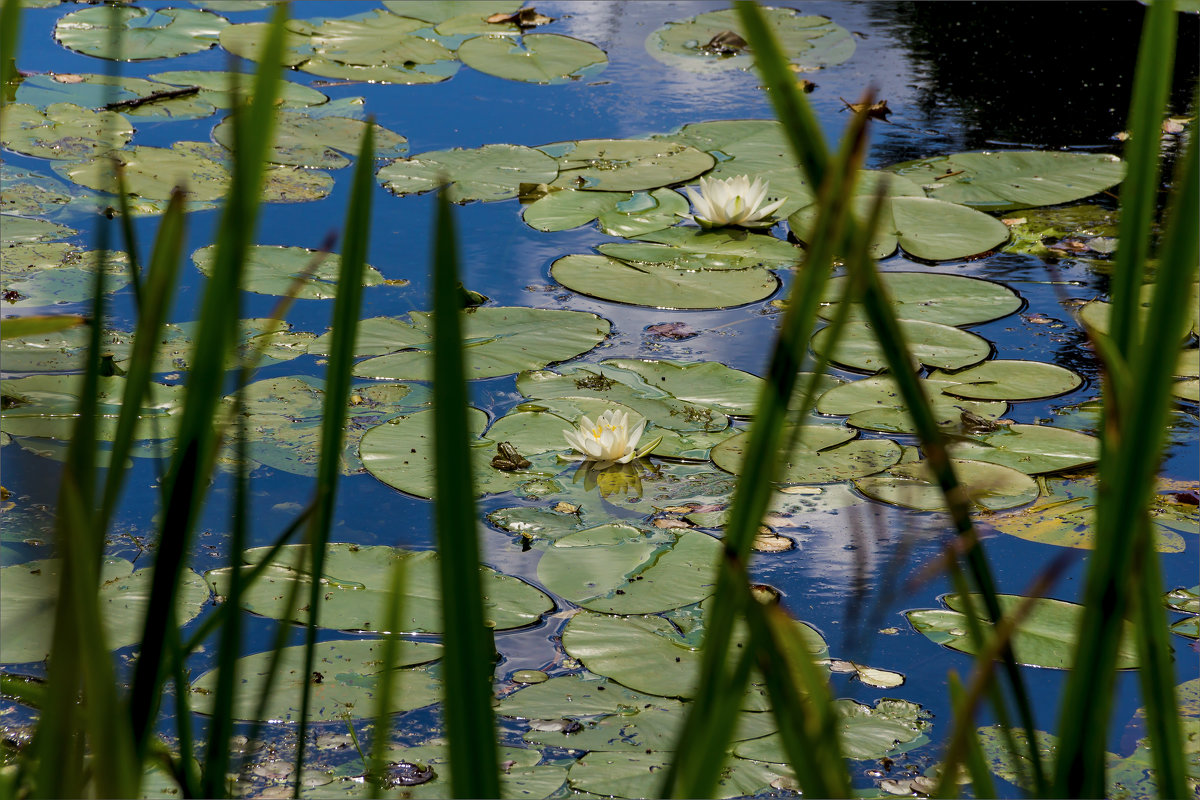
point(337, 395)
point(16, 327)
point(129, 233)
point(10, 27)
point(377, 766)
point(468, 664)
point(982, 785)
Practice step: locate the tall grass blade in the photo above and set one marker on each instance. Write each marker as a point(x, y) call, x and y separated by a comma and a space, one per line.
point(468, 664)
point(10, 28)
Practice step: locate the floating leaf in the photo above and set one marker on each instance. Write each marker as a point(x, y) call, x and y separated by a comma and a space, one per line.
point(343, 683)
point(929, 343)
point(63, 131)
point(1010, 380)
point(376, 38)
point(535, 523)
point(810, 41)
point(491, 172)
point(1046, 637)
point(618, 213)
point(214, 89)
point(886, 729)
point(574, 696)
point(934, 297)
point(154, 172)
point(913, 485)
point(275, 270)
point(304, 141)
point(706, 383)
point(1095, 314)
point(534, 58)
point(24, 230)
point(820, 454)
point(662, 286)
point(30, 193)
point(1032, 449)
point(48, 406)
point(143, 33)
point(499, 341)
point(356, 589)
point(635, 775)
point(625, 165)
point(619, 569)
point(31, 592)
point(698, 249)
point(1013, 179)
point(874, 404)
point(437, 11)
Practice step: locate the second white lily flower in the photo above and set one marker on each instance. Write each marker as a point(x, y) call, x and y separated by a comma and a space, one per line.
point(733, 201)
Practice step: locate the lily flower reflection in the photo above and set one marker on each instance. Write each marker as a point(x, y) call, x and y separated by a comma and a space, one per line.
point(733, 201)
point(608, 440)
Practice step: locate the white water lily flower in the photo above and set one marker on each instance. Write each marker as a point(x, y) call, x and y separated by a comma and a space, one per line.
point(733, 201)
point(608, 440)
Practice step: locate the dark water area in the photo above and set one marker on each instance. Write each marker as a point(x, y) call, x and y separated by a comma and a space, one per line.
point(958, 76)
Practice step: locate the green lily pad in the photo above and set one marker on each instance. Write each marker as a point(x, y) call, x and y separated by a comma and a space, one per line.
point(618, 213)
point(214, 89)
point(1032, 449)
point(305, 141)
point(807, 40)
point(636, 775)
point(1065, 517)
point(531, 522)
point(499, 341)
point(534, 58)
point(619, 569)
point(885, 729)
point(24, 230)
point(374, 39)
point(653, 654)
point(95, 91)
point(1013, 179)
point(47, 406)
point(491, 172)
point(1010, 379)
point(874, 403)
point(417, 74)
point(694, 249)
point(926, 228)
point(153, 172)
point(821, 454)
point(912, 485)
point(437, 11)
point(627, 388)
point(934, 297)
point(929, 343)
point(63, 131)
point(1095, 314)
point(144, 33)
point(659, 286)
point(706, 383)
point(246, 40)
point(54, 273)
point(625, 165)
point(30, 193)
point(400, 453)
point(279, 271)
point(31, 592)
point(1046, 637)
point(574, 696)
point(356, 589)
point(348, 672)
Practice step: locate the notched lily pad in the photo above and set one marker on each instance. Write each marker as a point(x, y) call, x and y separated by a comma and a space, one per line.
point(934, 297)
point(913, 485)
point(534, 58)
point(887, 728)
point(659, 286)
point(1009, 379)
point(625, 165)
point(302, 140)
point(63, 131)
point(296, 271)
point(618, 213)
point(144, 33)
point(491, 172)
point(929, 343)
point(1032, 449)
point(820, 454)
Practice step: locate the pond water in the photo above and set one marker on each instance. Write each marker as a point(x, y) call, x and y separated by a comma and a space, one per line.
point(957, 77)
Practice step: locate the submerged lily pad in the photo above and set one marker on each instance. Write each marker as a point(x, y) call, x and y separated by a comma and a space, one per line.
point(1013, 179)
point(1009, 379)
point(806, 40)
point(63, 131)
point(305, 141)
point(1032, 449)
point(619, 569)
point(929, 343)
point(820, 454)
point(143, 33)
point(534, 58)
point(491, 172)
point(1046, 637)
point(625, 165)
point(913, 485)
point(885, 729)
point(500, 341)
point(934, 297)
point(356, 589)
point(288, 271)
point(343, 683)
point(659, 286)
point(31, 592)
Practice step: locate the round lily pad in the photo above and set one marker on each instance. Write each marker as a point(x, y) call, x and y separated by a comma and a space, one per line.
point(929, 343)
point(91, 90)
point(343, 683)
point(821, 454)
point(31, 193)
point(704, 383)
point(356, 589)
point(694, 44)
point(305, 141)
point(153, 172)
point(533, 522)
point(501, 341)
point(23, 230)
point(491, 172)
point(288, 271)
point(376, 38)
point(31, 592)
point(618, 213)
point(438, 11)
point(659, 286)
point(574, 696)
point(625, 165)
point(1095, 314)
point(1046, 637)
point(1032, 449)
point(620, 569)
point(696, 248)
point(912, 485)
point(635, 775)
point(935, 297)
point(39, 274)
point(534, 57)
point(1010, 380)
point(214, 88)
point(1013, 179)
point(48, 405)
point(885, 729)
point(63, 131)
point(144, 33)
point(874, 403)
